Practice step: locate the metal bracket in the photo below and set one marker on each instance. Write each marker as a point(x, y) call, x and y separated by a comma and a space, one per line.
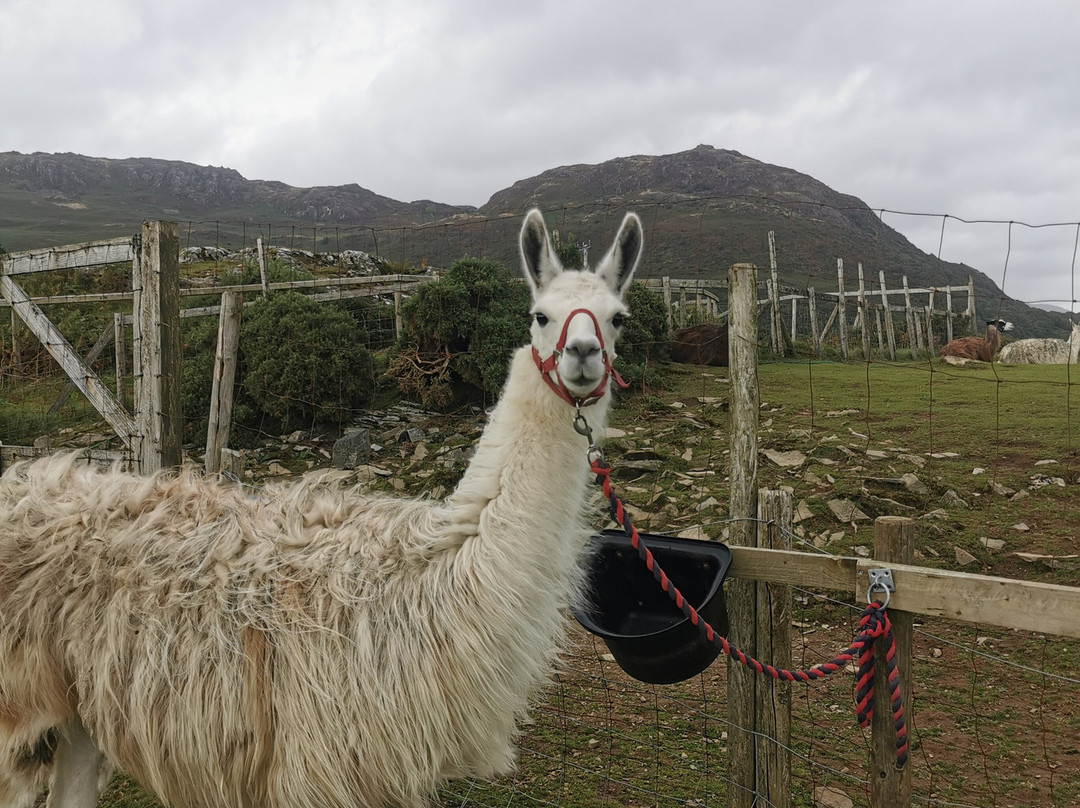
point(879, 580)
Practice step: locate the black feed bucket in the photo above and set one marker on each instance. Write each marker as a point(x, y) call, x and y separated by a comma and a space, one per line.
point(647, 634)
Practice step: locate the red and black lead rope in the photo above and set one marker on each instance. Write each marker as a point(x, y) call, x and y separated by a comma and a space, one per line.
point(874, 624)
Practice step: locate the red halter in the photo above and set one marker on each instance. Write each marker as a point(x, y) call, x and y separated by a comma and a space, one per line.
point(549, 368)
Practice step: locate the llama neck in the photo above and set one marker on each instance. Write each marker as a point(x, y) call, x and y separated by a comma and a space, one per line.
point(528, 480)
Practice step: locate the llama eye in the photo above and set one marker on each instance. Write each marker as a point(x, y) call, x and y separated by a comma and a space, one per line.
point(619, 319)
point(541, 319)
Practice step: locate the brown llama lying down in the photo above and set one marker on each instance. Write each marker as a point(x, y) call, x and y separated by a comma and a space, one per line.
point(308, 646)
point(705, 344)
point(982, 349)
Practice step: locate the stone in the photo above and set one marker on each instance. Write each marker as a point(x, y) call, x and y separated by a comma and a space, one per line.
point(706, 503)
point(694, 532)
point(352, 450)
point(915, 460)
point(963, 557)
point(846, 511)
point(1021, 527)
point(1001, 490)
point(802, 512)
point(790, 459)
point(992, 544)
point(412, 435)
point(954, 500)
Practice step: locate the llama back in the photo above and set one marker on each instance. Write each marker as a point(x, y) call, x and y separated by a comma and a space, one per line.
point(1035, 352)
point(161, 612)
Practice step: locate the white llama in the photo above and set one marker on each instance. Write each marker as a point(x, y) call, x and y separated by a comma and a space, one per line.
point(1043, 351)
point(308, 646)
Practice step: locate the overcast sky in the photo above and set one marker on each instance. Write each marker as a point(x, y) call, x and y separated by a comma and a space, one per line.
point(960, 109)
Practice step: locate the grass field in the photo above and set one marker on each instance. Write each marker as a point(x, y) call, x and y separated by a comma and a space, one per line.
point(996, 719)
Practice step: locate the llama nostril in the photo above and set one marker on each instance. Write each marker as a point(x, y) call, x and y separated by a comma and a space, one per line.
point(582, 349)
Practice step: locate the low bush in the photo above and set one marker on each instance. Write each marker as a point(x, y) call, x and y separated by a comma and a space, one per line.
point(460, 332)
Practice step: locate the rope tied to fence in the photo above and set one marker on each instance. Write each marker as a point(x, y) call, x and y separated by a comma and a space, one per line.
point(874, 625)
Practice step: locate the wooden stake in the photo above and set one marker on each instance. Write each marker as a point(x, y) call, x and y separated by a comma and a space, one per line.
point(742, 360)
point(772, 724)
point(841, 307)
point(221, 394)
point(894, 541)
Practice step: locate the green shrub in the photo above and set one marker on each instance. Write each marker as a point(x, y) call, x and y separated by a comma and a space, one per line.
point(198, 337)
point(645, 343)
point(300, 362)
point(303, 361)
point(460, 333)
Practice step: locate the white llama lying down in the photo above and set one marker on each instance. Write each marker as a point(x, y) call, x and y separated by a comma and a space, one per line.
point(1043, 351)
point(308, 647)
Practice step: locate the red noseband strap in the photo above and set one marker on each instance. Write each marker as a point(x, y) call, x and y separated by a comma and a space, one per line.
point(549, 368)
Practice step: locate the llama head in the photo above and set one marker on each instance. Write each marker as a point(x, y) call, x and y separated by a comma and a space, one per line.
point(1000, 325)
point(577, 315)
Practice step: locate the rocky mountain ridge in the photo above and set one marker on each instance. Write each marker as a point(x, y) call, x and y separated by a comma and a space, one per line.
point(705, 209)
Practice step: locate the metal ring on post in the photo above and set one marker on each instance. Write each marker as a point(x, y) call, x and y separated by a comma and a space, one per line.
point(878, 585)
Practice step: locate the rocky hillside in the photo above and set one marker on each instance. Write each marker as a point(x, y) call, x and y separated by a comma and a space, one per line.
point(704, 209)
point(71, 184)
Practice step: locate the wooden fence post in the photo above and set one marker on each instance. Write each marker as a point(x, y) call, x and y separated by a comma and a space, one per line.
point(398, 326)
point(842, 307)
point(948, 314)
point(157, 323)
point(971, 306)
point(772, 724)
point(742, 359)
point(930, 327)
point(777, 319)
point(912, 328)
point(16, 325)
point(262, 266)
point(815, 338)
point(666, 285)
point(120, 350)
point(864, 320)
point(221, 391)
point(894, 541)
point(774, 337)
point(890, 331)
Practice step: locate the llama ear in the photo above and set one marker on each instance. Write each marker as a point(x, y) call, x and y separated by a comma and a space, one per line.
point(538, 257)
point(617, 267)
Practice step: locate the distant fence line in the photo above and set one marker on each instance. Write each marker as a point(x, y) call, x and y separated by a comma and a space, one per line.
point(706, 300)
point(875, 312)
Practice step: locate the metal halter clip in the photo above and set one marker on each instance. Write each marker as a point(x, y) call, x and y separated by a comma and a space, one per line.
point(879, 580)
point(581, 426)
